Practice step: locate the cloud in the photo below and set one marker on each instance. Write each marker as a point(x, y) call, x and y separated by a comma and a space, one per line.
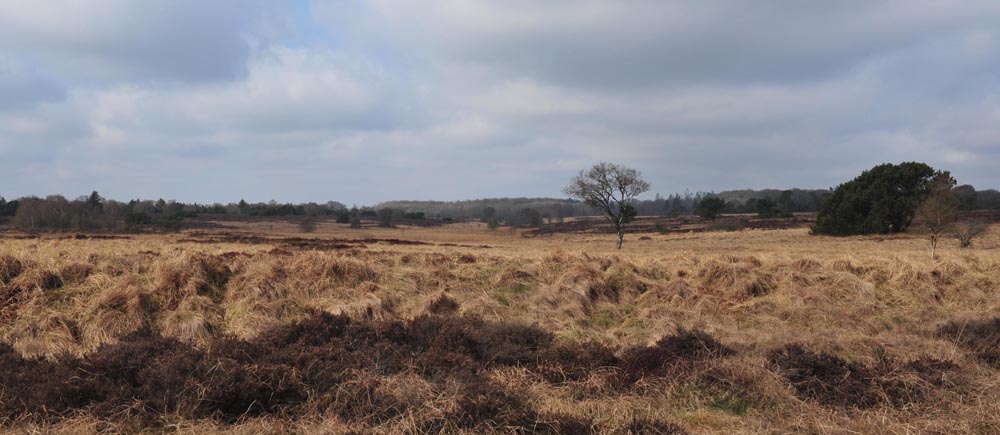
point(111, 40)
point(594, 43)
point(364, 101)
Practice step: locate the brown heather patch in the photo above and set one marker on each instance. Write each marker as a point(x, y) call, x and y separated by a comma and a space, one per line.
point(671, 356)
point(10, 268)
point(325, 364)
point(833, 381)
point(979, 336)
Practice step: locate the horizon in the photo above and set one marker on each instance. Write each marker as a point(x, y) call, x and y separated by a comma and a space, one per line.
point(367, 101)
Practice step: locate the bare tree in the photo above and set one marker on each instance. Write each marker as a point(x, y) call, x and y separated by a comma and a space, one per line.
point(612, 189)
point(938, 210)
point(967, 230)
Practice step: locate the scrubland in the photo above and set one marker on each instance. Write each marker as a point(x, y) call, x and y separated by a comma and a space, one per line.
point(457, 329)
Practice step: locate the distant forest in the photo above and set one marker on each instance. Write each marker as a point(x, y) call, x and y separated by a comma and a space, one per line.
point(512, 210)
point(94, 212)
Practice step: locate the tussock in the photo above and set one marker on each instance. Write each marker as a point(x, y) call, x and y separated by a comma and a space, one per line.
point(981, 337)
point(118, 310)
point(75, 273)
point(44, 334)
point(443, 304)
point(736, 277)
point(195, 320)
point(10, 268)
point(262, 279)
point(192, 275)
point(37, 278)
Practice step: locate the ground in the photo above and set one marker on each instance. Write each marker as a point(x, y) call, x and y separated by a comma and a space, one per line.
point(250, 327)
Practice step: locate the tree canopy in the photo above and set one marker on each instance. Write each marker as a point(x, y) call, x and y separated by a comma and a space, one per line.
point(882, 200)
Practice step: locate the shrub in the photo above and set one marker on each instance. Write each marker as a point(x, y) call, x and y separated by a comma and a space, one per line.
point(833, 381)
point(307, 225)
point(968, 230)
point(711, 207)
point(386, 217)
point(661, 228)
point(670, 354)
point(767, 208)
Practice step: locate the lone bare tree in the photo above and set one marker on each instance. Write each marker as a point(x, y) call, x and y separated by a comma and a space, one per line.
point(938, 210)
point(612, 189)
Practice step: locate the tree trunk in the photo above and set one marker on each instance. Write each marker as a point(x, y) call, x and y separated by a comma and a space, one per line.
point(621, 237)
point(934, 241)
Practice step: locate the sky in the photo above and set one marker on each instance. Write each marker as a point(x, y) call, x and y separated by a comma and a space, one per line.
point(367, 101)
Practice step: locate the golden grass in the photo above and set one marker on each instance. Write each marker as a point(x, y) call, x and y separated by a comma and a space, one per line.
point(857, 297)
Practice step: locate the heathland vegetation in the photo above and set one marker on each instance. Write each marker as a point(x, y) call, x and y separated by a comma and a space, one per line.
point(383, 320)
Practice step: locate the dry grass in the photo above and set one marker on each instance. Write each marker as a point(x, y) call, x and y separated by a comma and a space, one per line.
point(879, 307)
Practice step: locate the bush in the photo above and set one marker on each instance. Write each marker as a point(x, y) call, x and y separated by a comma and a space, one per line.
point(767, 208)
point(711, 207)
point(671, 354)
point(834, 381)
point(968, 230)
point(307, 225)
point(385, 217)
point(882, 200)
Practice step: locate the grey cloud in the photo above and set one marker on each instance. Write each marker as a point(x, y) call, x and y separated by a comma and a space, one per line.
point(115, 40)
point(643, 43)
point(21, 88)
point(382, 99)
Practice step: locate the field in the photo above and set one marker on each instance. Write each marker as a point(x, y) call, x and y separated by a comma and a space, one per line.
point(254, 327)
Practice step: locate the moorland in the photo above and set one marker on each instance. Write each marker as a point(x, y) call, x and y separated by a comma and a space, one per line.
point(256, 327)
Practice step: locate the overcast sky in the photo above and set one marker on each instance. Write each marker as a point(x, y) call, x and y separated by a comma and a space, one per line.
point(366, 101)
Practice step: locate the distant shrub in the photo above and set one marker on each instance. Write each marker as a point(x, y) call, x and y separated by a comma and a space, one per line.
point(767, 208)
point(711, 207)
point(966, 231)
point(355, 223)
point(307, 225)
point(661, 228)
point(386, 217)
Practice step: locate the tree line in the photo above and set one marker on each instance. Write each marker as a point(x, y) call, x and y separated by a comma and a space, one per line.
point(94, 212)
